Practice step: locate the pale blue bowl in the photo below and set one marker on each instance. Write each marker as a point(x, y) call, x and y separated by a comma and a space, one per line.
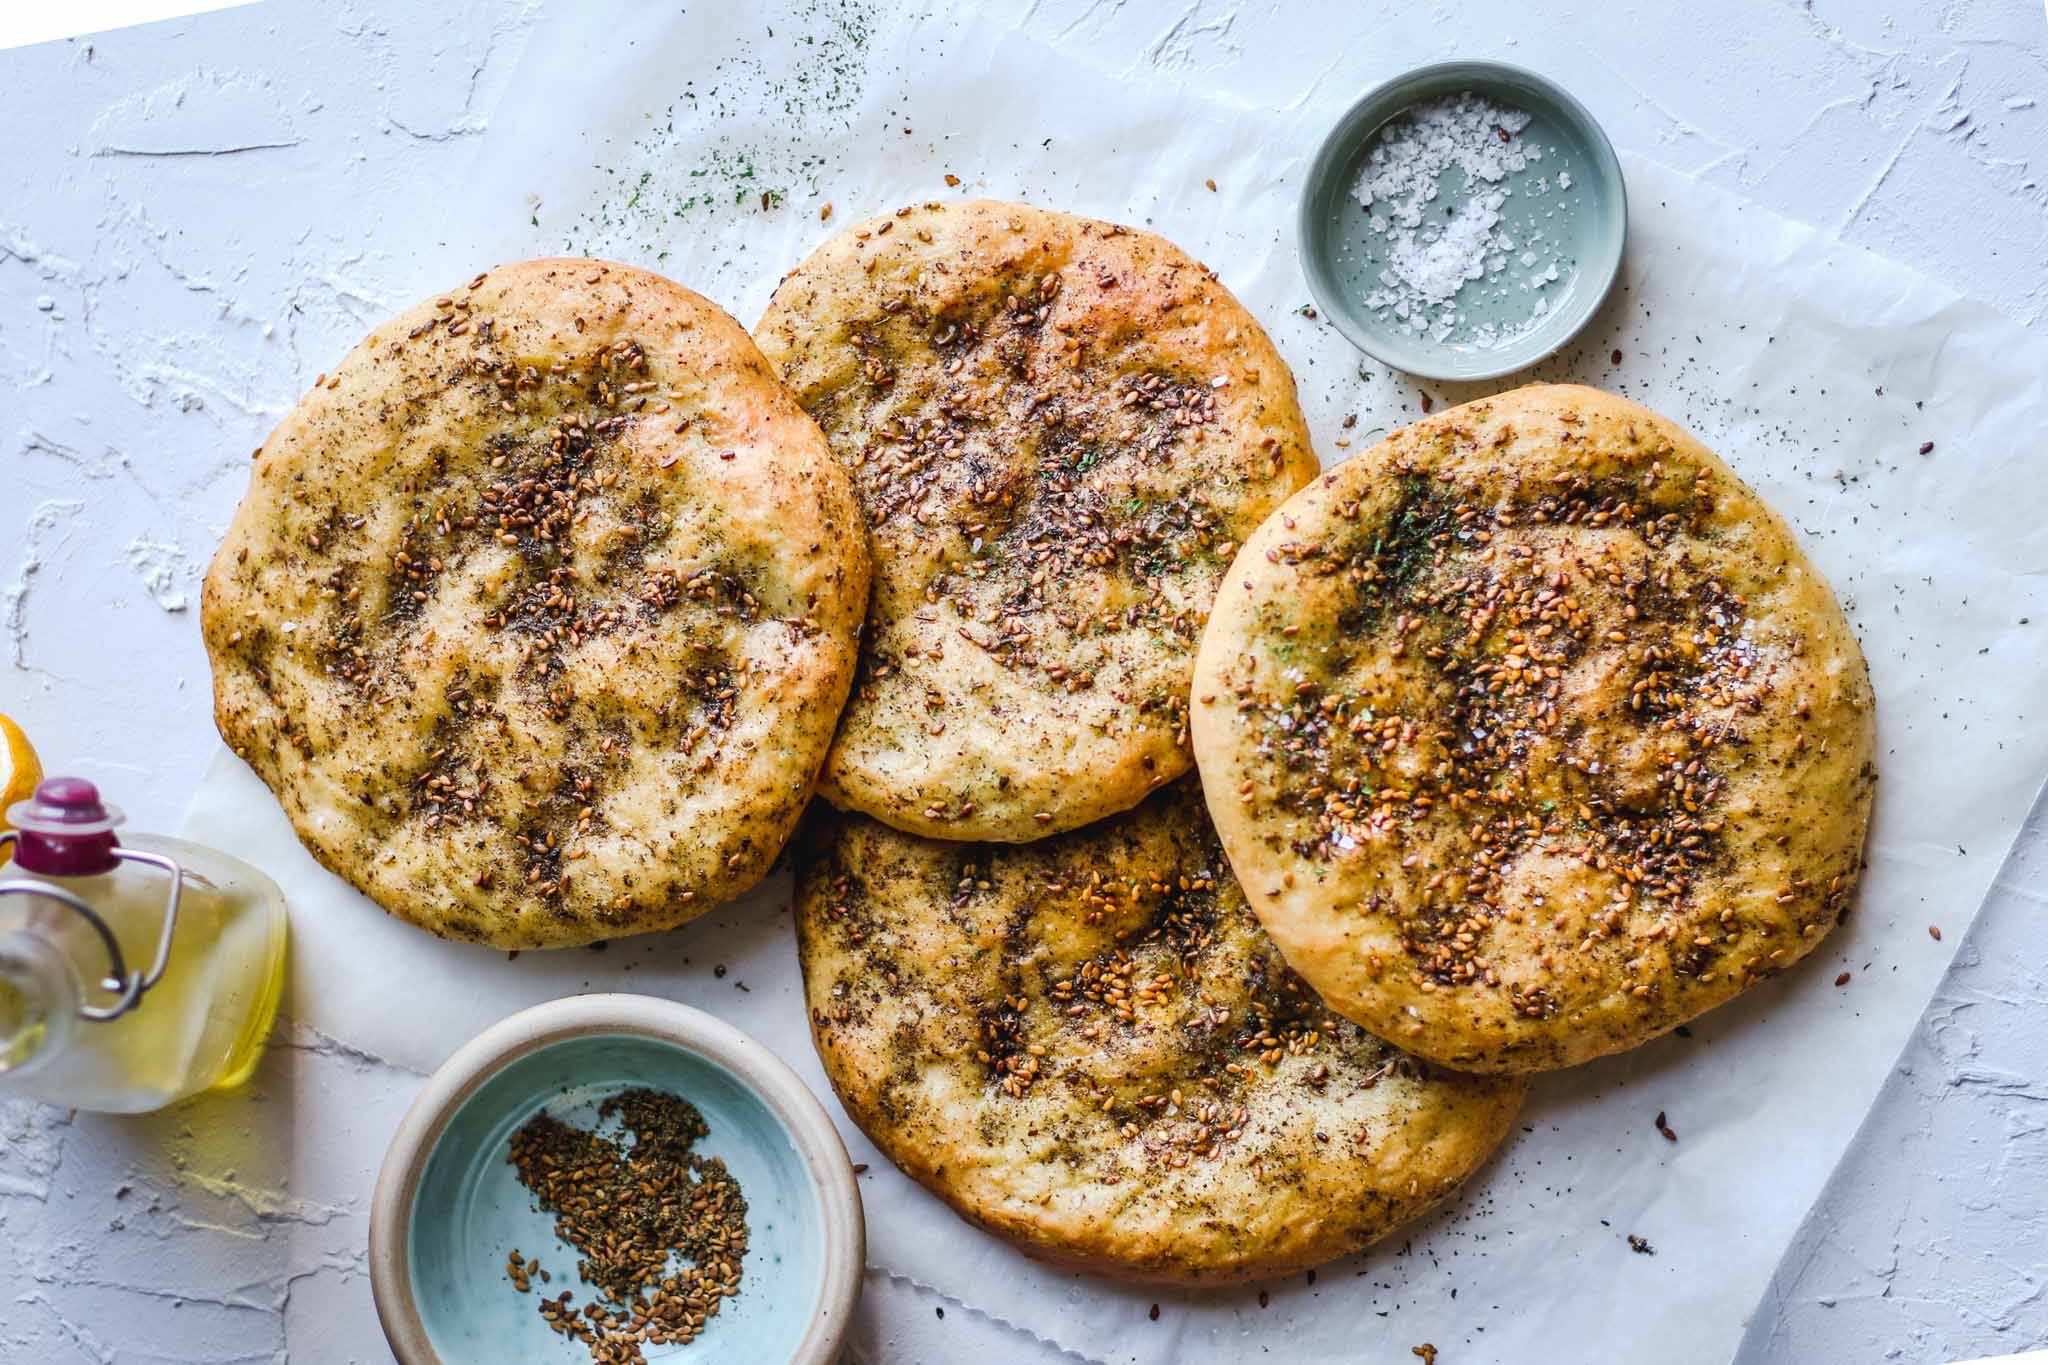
point(1339, 253)
point(449, 1206)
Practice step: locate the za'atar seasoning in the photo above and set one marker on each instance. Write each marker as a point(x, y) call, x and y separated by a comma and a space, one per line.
point(660, 1230)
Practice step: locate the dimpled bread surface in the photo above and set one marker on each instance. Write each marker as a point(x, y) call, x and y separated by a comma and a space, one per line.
point(1532, 734)
point(1088, 1046)
point(1060, 430)
point(540, 607)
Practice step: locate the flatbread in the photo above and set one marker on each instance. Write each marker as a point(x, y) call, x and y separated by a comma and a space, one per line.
point(1533, 734)
point(1087, 1045)
point(1059, 429)
point(539, 609)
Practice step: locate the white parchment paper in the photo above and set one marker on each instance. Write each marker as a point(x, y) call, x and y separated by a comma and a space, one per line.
point(1819, 371)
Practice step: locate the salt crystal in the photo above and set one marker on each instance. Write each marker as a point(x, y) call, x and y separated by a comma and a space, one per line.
point(1433, 253)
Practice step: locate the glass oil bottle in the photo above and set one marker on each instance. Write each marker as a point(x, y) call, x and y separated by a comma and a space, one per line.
point(133, 973)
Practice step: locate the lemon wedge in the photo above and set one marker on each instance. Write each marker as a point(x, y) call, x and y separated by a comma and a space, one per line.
point(19, 772)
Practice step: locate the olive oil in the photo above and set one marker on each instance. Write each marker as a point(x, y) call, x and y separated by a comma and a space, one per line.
point(100, 1007)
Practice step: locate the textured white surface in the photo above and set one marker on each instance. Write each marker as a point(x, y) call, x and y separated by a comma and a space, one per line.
point(1926, 1244)
point(200, 215)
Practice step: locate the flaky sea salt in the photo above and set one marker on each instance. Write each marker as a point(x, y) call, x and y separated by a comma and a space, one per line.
point(1433, 254)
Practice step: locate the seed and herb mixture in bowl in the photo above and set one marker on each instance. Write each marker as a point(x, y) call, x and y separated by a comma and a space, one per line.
point(660, 1231)
point(615, 1178)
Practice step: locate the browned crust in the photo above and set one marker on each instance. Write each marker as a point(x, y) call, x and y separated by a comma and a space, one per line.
point(539, 608)
point(1533, 734)
point(1086, 1045)
point(1059, 429)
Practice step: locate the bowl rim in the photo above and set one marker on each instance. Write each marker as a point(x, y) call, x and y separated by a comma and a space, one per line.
point(1340, 140)
point(819, 1147)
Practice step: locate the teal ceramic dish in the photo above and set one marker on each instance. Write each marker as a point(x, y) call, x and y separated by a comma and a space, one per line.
point(1583, 228)
point(449, 1207)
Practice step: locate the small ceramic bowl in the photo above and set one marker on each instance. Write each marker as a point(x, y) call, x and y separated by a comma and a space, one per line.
point(449, 1208)
point(1584, 227)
